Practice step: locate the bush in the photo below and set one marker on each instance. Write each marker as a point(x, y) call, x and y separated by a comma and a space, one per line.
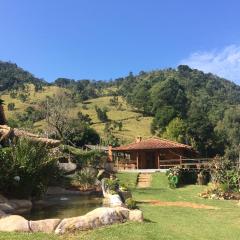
point(223, 171)
point(11, 106)
point(112, 184)
point(27, 170)
point(173, 176)
point(86, 177)
point(131, 203)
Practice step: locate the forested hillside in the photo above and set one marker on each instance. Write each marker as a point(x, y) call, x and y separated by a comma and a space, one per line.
point(181, 104)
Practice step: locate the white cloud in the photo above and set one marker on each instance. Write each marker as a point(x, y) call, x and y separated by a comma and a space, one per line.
point(224, 63)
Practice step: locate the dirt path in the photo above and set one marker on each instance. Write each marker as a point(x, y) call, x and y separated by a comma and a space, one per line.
point(178, 204)
point(144, 180)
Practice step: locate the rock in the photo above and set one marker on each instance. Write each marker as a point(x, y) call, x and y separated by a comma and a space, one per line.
point(20, 205)
point(115, 200)
point(67, 167)
point(136, 215)
point(2, 214)
point(125, 195)
point(46, 225)
point(3, 199)
point(96, 218)
point(7, 207)
point(14, 205)
point(14, 223)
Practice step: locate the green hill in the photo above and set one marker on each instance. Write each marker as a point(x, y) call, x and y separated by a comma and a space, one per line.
point(182, 104)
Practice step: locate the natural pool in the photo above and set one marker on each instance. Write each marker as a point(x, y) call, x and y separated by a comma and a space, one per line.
point(64, 207)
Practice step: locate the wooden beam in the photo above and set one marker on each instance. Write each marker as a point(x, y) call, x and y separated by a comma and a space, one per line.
point(158, 158)
point(137, 160)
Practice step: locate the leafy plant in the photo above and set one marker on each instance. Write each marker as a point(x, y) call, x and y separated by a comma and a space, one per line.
point(86, 177)
point(131, 203)
point(28, 169)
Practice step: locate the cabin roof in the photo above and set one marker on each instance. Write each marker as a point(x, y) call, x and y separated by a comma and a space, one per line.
point(152, 144)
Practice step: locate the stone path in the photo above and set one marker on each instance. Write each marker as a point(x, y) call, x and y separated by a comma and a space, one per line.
point(144, 180)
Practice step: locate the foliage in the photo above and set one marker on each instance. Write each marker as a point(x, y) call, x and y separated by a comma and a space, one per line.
point(11, 106)
point(173, 176)
point(79, 134)
point(93, 158)
point(112, 184)
point(86, 177)
point(224, 171)
point(198, 99)
point(27, 170)
point(101, 114)
point(11, 76)
point(131, 203)
point(84, 118)
point(176, 130)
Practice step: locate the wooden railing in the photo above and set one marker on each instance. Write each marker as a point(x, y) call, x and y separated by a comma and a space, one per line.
point(165, 164)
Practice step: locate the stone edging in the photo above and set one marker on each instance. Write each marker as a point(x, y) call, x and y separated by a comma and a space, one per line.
point(97, 218)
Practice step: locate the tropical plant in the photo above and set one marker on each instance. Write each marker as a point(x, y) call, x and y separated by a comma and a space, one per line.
point(131, 203)
point(29, 169)
point(86, 177)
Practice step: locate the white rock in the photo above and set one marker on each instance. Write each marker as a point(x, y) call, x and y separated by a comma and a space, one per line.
point(96, 218)
point(115, 200)
point(14, 223)
point(136, 215)
point(46, 225)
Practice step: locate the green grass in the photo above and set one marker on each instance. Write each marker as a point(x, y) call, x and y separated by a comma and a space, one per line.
point(162, 222)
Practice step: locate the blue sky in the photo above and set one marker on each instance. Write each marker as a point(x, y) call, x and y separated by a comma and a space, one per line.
point(104, 39)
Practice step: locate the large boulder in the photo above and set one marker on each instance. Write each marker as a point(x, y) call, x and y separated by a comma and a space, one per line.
point(14, 223)
point(96, 218)
point(46, 225)
point(136, 215)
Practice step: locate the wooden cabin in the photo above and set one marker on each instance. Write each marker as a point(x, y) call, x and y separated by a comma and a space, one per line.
point(152, 153)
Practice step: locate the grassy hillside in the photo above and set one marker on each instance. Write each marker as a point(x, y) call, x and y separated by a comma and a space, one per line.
point(134, 124)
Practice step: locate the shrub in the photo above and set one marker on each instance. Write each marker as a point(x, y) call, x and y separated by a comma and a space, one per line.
point(131, 203)
point(112, 184)
point(86, 177)
point(28, 169)
point(223, 171)
point(11, 106)
point(173, 176)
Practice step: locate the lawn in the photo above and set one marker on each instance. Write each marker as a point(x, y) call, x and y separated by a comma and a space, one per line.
point(162, 222)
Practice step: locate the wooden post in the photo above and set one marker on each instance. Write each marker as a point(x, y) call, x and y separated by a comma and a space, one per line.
point(158, 158)
point(137, 160)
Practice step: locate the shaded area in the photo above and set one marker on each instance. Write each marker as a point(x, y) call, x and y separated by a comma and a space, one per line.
point(63, 207)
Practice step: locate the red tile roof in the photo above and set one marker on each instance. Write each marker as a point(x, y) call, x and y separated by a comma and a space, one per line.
point(152, 143)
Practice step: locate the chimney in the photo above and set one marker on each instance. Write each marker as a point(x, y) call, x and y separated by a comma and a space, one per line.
point(138, 139)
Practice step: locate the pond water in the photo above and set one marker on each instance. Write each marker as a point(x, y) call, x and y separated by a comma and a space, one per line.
point(64, 207)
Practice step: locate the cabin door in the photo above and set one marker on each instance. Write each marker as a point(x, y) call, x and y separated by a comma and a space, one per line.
point(150, 160)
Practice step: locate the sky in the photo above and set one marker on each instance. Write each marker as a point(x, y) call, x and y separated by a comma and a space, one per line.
point(106, 39)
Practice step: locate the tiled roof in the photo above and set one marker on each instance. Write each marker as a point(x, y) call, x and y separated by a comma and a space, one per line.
point(152, 143)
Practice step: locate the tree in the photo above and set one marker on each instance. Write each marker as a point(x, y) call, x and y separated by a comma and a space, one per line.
point(101, 114)
point(176, 131)
point(11, 106)
point(228, 130)
point(80, 133)
point(57, 113)
point(84, 118)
